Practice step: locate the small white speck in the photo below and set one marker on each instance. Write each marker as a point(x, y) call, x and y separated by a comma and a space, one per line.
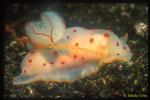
point(23, 53)
point(12, 43)
point(145, 75)
point(132, 6)
point(120, 67)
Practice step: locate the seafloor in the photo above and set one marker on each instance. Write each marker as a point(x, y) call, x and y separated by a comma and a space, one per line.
point(116, 79)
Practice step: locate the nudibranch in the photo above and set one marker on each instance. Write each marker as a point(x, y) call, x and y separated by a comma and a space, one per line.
point(76, 54)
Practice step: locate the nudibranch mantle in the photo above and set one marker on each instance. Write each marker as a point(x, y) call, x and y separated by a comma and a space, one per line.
point(100, 44)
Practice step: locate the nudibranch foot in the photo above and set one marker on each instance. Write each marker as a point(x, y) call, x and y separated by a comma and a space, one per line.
point(65, 75)
point(72, 74)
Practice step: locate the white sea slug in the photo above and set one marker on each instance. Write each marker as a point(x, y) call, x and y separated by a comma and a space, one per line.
point(75, 54)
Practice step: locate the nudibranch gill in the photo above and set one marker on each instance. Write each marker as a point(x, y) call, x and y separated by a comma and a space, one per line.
point(75, 54)
point(42, 33)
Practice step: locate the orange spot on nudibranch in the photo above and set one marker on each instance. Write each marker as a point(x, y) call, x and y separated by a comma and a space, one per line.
point(44, 64)
point(30, 60)
point(51, 62)
point(91, 40)
point(24, 71)
point(55, 52)
point(74, 56)
point(117, 54)
point(124, 47)
point(62, 62)
point(33, 51)
point(82, 58)
point(106, 35)
point(74, 30)
point(117, 43)
point(67, 37)
point(76, 44)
